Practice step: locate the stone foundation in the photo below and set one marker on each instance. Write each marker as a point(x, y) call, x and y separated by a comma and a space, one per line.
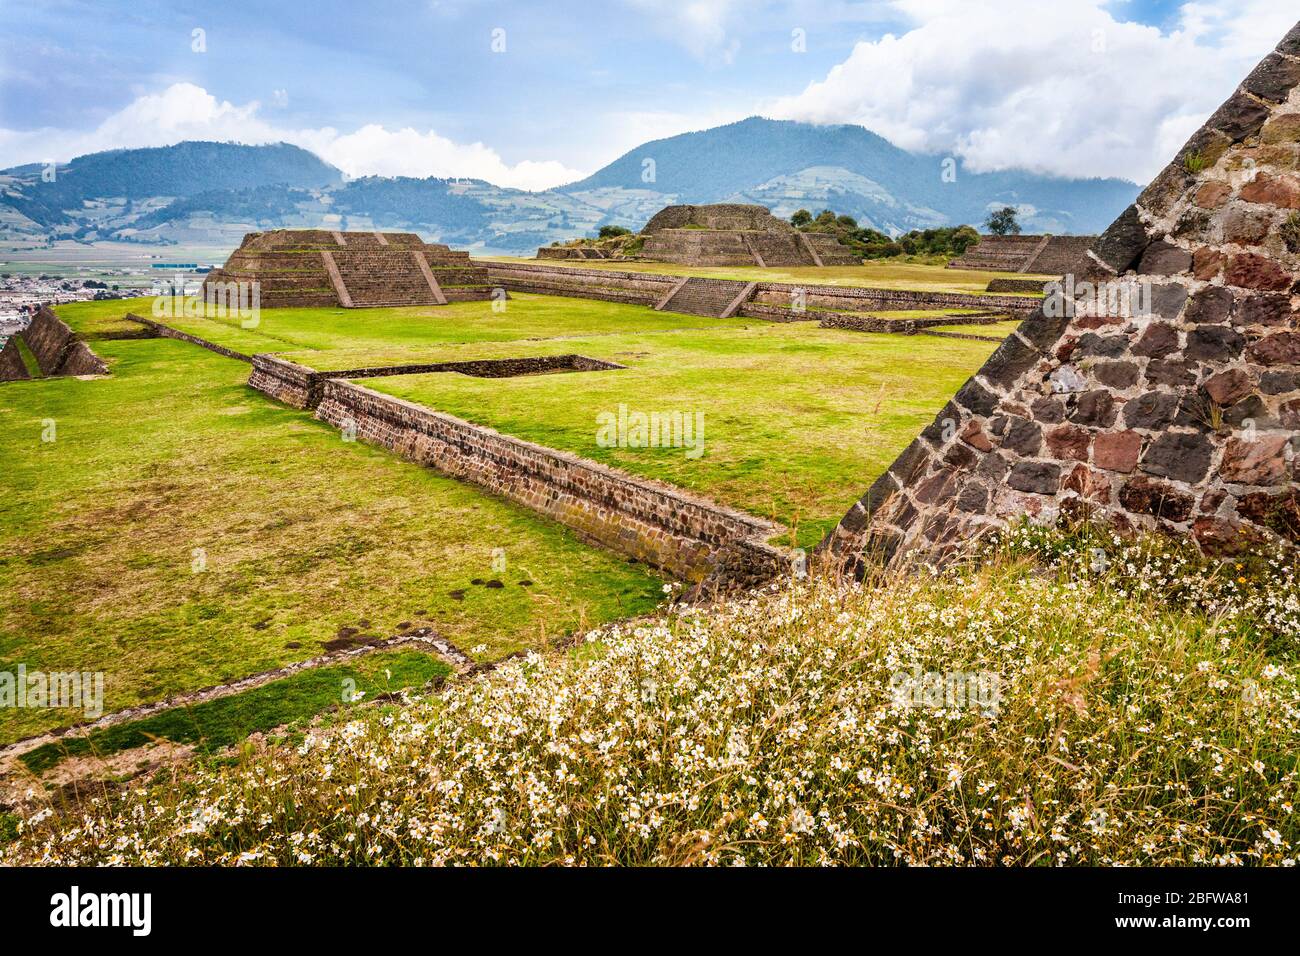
point(316, 267)
point(303, 387)
point(12, 366)
point(693, 539)
point(55, 347)
point(158, 330)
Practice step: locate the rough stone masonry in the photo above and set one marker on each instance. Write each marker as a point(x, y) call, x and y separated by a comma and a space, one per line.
point(1181, 417)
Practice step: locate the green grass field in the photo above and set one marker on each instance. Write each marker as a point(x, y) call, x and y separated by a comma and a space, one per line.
point(798, 420)
point(182, 530)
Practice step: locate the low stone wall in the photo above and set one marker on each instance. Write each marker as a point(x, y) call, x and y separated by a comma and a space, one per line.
point(295, 385)
point(872, 323)
point(635, 288)
point(693, 539)
point(1016, 285)
point(303, 387)
point(158, 330)
point(856, 299)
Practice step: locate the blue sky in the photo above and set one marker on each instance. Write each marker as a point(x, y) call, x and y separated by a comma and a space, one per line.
point(414, 86)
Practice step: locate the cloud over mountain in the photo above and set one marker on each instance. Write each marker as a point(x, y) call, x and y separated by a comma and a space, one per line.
point(1062, 88)
point(184, 111)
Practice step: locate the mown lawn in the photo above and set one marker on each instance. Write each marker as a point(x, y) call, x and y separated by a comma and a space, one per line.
point(401, 331)
point(181, 530)
point(798, 420)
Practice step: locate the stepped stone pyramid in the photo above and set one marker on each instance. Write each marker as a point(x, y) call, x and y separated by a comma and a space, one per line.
point(732, 234)
point(1040, 255)
point(1181, 417)
point(316, 267)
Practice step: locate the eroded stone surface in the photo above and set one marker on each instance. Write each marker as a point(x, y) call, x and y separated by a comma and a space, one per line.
point(1180, 418)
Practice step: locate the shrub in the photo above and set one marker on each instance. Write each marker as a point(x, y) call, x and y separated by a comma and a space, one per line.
point(1290, 232)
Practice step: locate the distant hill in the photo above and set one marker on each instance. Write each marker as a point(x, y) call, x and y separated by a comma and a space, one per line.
point(786, 165)
point(185, 169)
point(212, 193)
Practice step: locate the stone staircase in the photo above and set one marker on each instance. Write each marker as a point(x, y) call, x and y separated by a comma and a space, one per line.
point(716, 298)
point(376, 279)
point(1000, 253)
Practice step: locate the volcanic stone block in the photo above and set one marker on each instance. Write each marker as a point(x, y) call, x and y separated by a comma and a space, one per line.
point(1117, 451)
point(1251, 271)
point(1040, 478)
point(1095, 408)
point(1280, 348)
point(1164, 259)
point(1121, 245)
point(1067, 441)
point(1181, 456)
point(1265, 309)
point(1143, 496)
point(1023, 437)
point(1273, 78)
point(1230, 387)
point(1262, 462)
point(1214, 344)
point(1211, 306)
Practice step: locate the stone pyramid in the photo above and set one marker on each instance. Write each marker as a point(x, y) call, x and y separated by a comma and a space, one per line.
point(1158, 387)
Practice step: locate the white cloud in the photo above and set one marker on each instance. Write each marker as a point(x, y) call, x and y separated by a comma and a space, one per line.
point(701, 26)
point(185, 111)
point(1061, 87)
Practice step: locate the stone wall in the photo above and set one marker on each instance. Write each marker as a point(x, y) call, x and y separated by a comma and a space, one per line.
point(12, 366)
point(635, 288)
point(158, 330)
point(316, 267)
point(728, 216)
point(1179, 417)
point(850, 299)
point(302, 387)
point(693, 539)
point(57, 349)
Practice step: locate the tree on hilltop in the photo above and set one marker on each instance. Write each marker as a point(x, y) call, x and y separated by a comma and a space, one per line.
point(1003, 222)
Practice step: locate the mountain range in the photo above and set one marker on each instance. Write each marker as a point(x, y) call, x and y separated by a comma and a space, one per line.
point(203, 193)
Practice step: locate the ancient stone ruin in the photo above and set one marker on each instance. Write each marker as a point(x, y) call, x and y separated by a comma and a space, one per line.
point(1036, 255)
point(723, 234)
point(55, 348)
point(316, 267)
point(1160, 388)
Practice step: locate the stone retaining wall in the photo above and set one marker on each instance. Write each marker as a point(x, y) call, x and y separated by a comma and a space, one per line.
point(1181, 417)
point(57, 349)
point(303, 387)
point(634, 288)
point(856, 299)
point(693, 539)
point(158, 330)
point(12, 366)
